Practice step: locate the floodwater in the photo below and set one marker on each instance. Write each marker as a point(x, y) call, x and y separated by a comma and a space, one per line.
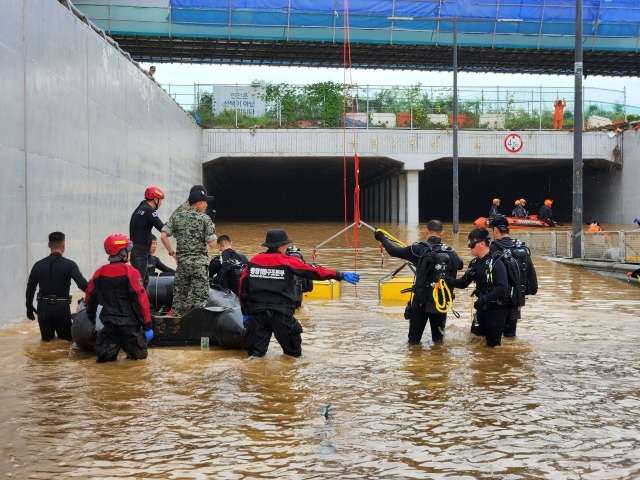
point(560, 401)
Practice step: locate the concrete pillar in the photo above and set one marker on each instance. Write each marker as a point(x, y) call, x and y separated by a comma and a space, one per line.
point(394, 200)
point(402, 198)
point(364, 204)
point(376, 203)
point(387, 200)
point(413, 197)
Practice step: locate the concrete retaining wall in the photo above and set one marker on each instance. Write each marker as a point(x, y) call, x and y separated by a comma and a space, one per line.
point(82, 132)
point(612, 196)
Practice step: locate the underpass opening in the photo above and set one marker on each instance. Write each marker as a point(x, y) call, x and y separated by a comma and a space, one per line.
point(295, 189)
point(481, 180)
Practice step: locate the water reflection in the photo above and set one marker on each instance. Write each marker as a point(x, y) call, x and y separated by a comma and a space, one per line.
point(562, 400)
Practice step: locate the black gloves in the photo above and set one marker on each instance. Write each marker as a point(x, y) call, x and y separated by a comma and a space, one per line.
point(481, 303)
point(30, 311)
point(378, 235)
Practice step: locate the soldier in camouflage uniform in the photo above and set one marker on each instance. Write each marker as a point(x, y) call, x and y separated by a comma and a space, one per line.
point(185, 206)
point(193, 231)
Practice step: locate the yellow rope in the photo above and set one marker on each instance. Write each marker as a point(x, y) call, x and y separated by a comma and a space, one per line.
point(443, 302)
point(391, 237)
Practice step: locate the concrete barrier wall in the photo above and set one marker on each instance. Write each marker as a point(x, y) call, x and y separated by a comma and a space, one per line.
point(611, 196)
point(83, 131)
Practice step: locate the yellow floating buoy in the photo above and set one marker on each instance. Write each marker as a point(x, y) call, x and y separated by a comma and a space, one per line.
point(324, 290)
point(390, 289)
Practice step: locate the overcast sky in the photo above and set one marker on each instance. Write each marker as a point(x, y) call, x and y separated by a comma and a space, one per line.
point(184, 74)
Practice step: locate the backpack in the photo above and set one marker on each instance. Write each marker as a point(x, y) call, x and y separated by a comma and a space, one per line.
point(515, 280)
point(436, 261)
point(522, 254)
point(229, 274)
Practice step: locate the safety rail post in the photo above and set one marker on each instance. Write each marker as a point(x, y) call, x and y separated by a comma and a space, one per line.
point(580, 243)
point(235, 106)
point(411, 117)
point(193, 105)
point(622, 245)
point(367, 107)
point(568, 244)
point(540, 109)
point(528, 237)
point(554, 244)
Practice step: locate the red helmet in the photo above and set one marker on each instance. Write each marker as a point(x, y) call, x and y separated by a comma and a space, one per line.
point(115, 243)
point(153, 192)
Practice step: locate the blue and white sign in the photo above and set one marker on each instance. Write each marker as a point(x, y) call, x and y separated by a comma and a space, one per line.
point(243, 99)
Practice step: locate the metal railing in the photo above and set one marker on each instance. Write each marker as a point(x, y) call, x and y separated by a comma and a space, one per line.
point(321, 105)
point(611, 246)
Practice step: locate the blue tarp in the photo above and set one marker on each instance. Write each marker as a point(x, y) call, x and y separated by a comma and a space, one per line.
point(607, 24)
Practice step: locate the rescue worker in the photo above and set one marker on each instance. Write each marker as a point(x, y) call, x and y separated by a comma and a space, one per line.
point(558, 115)
point(594, 226)
point(519, 211)
point(545, 214)
point(493, 211)
point(523, 204)
point(194, 232)
point(267, 295)
point(491, 289)
point(125, 314)
point(635, 273)
point(501, 242)
point(144, 218)
point(185, 205)
point(155, 262)
point(219, 268)
point(53, 275)
point(422, 307)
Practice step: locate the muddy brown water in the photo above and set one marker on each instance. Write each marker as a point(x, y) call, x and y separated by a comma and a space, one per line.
point(560, 401)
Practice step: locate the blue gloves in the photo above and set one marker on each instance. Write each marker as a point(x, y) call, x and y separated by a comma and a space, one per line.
point(351, 277)
point(148, 335)
point(245, 319)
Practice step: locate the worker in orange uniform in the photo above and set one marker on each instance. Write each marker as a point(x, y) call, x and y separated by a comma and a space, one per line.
point(558, 116)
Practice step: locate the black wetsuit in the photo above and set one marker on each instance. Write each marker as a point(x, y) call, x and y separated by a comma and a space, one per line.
point(531, 283)
point(155, 263)
point(143, 219)
point(53, 274)
point(546, 215)
point(519, 212)
point(490, 319)
point(420, 312)
point(231, 279)
point(493, 212)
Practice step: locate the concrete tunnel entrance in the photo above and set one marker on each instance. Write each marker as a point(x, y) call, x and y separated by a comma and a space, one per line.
point(311, 189)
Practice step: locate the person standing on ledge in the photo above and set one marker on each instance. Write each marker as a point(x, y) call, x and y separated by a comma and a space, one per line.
point(53, 274)
point(267, 295)
point(558, 115)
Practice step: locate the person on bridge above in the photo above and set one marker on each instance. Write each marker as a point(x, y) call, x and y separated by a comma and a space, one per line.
point(194, 232)
point(491, 288)
point(53, 274)
point(558, 115)
point(594, 226)
point(432, 259)
point(493, 211)
point(154, 262)
point(143, 219)
point(545, 214)
point(225, 269)
point(125, 314)
point(267, 295)
point(152, 71)
point(528, 277)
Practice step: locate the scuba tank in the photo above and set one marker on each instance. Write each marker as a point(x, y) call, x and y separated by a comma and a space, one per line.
point(301, 285)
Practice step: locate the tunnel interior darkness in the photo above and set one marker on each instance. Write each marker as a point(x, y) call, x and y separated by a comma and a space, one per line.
point(311, 189)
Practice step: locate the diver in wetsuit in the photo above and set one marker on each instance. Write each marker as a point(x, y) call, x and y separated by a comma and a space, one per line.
point(518, 250)
point(491, 288)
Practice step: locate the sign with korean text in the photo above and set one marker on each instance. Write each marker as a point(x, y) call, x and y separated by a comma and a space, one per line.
point(243, 99)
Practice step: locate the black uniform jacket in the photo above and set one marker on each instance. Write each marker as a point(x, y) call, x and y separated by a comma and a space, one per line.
point(143, 219)
point(478, 271)
point(118, 287)
point(54, 274)
point(268, 281)
point(413, 252)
